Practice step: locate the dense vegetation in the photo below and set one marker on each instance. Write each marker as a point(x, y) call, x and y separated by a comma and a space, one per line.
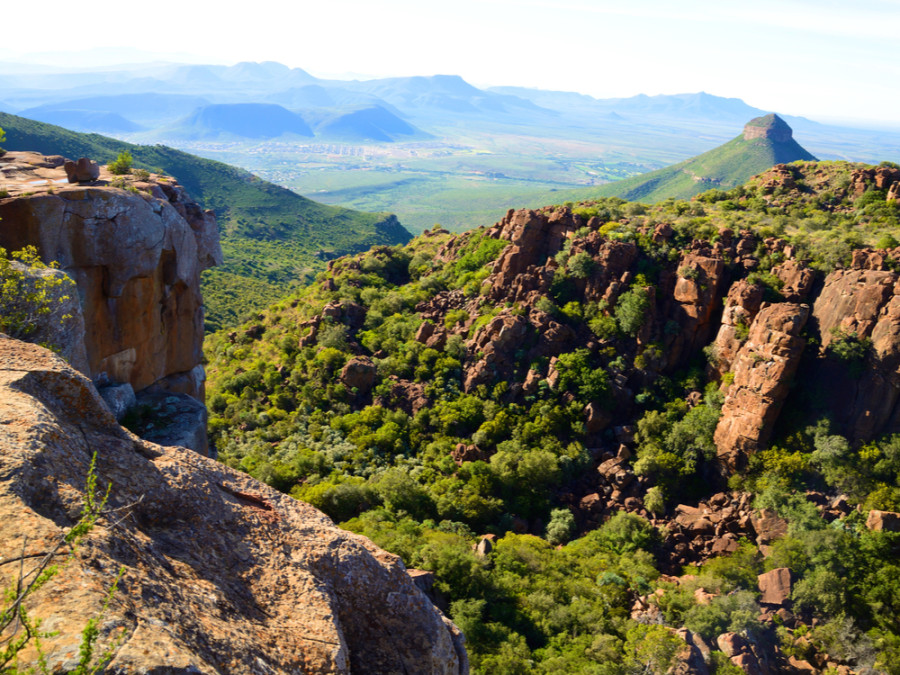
point(556, 592)
point(273, 239)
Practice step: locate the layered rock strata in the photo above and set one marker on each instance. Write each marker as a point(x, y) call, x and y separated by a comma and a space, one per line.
point(220, 574)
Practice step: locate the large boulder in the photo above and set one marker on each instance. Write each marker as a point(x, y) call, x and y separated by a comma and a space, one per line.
point(220, 573)
point(359, 374)
point(775, 586)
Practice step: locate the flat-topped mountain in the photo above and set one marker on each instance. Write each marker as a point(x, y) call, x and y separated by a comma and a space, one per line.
point(765, 142)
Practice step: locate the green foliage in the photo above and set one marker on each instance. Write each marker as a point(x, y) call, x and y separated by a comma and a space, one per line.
point(426, 459)
point(122, 164)
point(561, 526)
point(28, 295)
point(631, 310)
point(581, 265)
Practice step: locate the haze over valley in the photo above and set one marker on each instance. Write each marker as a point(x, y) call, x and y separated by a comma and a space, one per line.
point(432, 149)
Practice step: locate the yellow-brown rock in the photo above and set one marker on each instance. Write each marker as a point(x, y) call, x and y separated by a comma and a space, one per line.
point(135, 254)
point(221, 573)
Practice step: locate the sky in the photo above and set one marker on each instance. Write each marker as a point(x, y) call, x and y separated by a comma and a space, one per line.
point(823, 59)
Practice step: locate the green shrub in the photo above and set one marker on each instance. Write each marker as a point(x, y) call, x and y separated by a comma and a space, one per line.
point(631, 310)
point(581, 265)
point(122, 164)
point(561, 526)
point(26, 296)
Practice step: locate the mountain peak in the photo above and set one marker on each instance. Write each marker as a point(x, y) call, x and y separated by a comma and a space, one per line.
point(769, 126)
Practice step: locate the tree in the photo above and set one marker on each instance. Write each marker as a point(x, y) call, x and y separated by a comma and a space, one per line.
point(122, 163)
point(561, 526)
point(631, 310)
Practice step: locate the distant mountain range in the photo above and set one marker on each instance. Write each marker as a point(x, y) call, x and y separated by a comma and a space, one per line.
point(161, 102)
point(273, 238)
point(765, 141)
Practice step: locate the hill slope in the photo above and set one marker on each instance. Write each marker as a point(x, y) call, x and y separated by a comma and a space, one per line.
point(572, 376)
point(765, 142)
point(239, 120)
point(273, 239)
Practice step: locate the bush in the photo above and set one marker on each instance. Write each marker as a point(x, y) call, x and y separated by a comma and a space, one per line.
point(26, 296)
point(561, 526)
point(122, 164)
point(581, 265)
point(631, 310)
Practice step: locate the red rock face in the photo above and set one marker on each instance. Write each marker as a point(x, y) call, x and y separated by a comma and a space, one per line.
point(763, 370)
point(864, 300)
point(136, 260)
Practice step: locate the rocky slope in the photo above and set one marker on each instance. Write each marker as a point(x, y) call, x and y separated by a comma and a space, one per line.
point(135, 247)
point(219, 573)
point(709, 382)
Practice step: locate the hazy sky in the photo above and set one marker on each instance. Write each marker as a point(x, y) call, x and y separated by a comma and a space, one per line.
point(822, 59)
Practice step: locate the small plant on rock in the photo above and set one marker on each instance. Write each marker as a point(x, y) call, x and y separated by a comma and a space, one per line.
point(122, 164)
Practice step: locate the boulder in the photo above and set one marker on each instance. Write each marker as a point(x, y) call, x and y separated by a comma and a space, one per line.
point(82, 171)
point(359, 374)
point(886, 521)
point(119, 398)
point(768, 526)
point(775, 586)
point(172, 419)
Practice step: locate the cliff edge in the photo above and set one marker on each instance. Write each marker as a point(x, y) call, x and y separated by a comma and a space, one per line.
point(221, 574)
point(135, 246)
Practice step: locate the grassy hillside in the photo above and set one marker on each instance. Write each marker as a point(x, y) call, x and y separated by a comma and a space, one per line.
point(725, 167)
point(273, 238)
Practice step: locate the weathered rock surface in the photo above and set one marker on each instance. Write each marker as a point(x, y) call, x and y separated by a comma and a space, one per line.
point(886, 521)
point(221, 573)
point(136, 257)
point(864, 302)
point(776, 586)
point(763, 370)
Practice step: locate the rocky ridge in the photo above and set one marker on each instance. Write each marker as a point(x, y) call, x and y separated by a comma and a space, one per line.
point(219, 573)
point(707, 293)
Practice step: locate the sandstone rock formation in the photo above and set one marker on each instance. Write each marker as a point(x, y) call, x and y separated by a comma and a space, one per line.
point(763, 370)
point(136, 256)
point(82, 171)
point(221, 573)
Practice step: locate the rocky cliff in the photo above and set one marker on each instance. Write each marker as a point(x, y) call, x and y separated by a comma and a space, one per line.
point(220, 574)
point(135, 247)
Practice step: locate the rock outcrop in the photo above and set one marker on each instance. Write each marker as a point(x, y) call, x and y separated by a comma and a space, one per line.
point(220, 574)
point(763, 371)
point(135, 252)
point(769, 126)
